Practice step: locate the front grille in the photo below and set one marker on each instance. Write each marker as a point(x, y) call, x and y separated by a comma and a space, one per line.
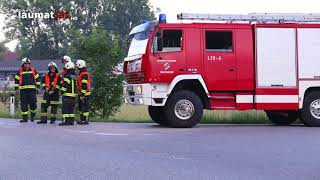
point(134, 78)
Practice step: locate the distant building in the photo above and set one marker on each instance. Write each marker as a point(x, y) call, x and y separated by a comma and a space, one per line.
point(8, 68)
point(9, 56)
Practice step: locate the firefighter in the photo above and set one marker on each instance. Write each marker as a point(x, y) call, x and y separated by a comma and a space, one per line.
point(68, 91)
point(27, 81)
point(51, 85)
point(65, 60)
point(83, 82)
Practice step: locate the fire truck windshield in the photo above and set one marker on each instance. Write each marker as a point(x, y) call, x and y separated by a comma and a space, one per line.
point(140, 35)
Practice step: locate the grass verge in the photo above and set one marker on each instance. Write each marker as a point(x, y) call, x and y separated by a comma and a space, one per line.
point(139, 114)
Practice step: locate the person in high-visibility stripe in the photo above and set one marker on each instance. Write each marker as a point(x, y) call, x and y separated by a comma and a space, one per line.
point(65, 60)
point(51, 85)
point(83, 82)
point(68, 91)
point(27, 81)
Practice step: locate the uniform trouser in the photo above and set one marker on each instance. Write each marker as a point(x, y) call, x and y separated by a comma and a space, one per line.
point(49, 100)
point(28, 99)
point(68, 104)
point(84, 108)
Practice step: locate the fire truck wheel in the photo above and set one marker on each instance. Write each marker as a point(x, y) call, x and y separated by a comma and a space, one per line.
point(157, 115)
point(183, 109)
point(310, 113)
point(282, 118)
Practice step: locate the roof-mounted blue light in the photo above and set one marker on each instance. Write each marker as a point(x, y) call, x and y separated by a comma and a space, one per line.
point(162, 18)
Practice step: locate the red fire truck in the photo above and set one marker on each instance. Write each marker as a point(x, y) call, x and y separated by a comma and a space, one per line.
point(267, 62)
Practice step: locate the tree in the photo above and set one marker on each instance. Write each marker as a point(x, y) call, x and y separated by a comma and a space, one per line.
point(3, 48)
point(50, 38)
point(102, 52)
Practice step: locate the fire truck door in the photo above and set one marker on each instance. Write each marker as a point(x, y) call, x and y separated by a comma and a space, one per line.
point(219, 60)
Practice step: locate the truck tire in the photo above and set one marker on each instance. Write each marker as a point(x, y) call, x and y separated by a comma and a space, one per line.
point(282, 118)
point(157, 115)
point(310, 113)
point(183, 109)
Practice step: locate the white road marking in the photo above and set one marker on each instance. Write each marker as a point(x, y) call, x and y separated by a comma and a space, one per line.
point(110, 134)
point(71, 130)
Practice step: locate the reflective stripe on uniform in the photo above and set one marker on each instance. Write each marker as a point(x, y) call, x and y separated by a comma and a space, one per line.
point(70, 94)
point(83, 91)
point(68, 115)
point(44, 101)
point(67, 80)
point(36, 76)
point(43, 85)
point(27, 72)
point(84, 81)
point(43, 114)
point(57, 87)
point(24, 113)
point(63, 89)
point(85, 113)
point(28, 87)
point(38, 83)
point(17, 77)
point(16, 85)
point(33, 111)
point(54, 102)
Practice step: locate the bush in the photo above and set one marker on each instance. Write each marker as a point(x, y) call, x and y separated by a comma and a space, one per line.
point(101, 51)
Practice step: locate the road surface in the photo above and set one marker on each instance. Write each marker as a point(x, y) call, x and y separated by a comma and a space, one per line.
point(116, 151)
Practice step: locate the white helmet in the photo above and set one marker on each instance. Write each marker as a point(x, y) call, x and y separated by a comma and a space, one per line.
point(69, 65)
point(52, 64)
point(25, 60)
point(81, 63)
point(66, 58)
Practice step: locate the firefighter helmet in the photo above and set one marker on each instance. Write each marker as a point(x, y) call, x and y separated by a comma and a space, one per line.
point(81, 63)
point(52, 64)
point(25, 60)
point(69, 65)
point(66, 58)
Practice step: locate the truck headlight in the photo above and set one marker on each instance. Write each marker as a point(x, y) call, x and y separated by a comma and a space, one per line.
point(139, 89)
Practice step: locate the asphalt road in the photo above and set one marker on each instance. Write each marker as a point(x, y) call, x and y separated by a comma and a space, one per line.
point(116, 151)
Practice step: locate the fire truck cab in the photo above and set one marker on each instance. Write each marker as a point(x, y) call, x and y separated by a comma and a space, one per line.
point(265, 62)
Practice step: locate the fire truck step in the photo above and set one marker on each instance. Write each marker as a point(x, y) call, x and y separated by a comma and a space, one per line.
point(223, 100)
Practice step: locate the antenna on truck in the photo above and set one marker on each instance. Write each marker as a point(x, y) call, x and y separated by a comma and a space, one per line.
point(253, 17)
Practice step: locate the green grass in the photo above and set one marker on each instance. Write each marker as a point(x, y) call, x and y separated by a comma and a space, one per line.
point(139, 114)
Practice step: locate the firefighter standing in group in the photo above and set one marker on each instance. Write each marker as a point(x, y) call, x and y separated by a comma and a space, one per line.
point(51, 85)
point(83, 82)
point(65, 60)
point(27, 81)
point(68, 91)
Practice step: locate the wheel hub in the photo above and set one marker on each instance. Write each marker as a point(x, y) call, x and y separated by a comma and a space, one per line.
point(184, 109)
point(315, 108)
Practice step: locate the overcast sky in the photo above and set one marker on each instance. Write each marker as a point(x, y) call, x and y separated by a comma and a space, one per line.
point(173, 7)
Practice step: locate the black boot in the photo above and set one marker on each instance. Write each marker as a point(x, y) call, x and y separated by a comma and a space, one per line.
point(82, 120)
point(32, 117)
point(24, 119)
point(52, 120)
point(71, 121)
point(65, 122)
point(43, 120)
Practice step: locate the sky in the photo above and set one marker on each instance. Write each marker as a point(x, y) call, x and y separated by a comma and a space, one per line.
point(174, 7)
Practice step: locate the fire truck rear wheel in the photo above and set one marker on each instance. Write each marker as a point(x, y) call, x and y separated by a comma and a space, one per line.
point(157, 115)
point(310, 113)
point(183, 109)
point(282, 118)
